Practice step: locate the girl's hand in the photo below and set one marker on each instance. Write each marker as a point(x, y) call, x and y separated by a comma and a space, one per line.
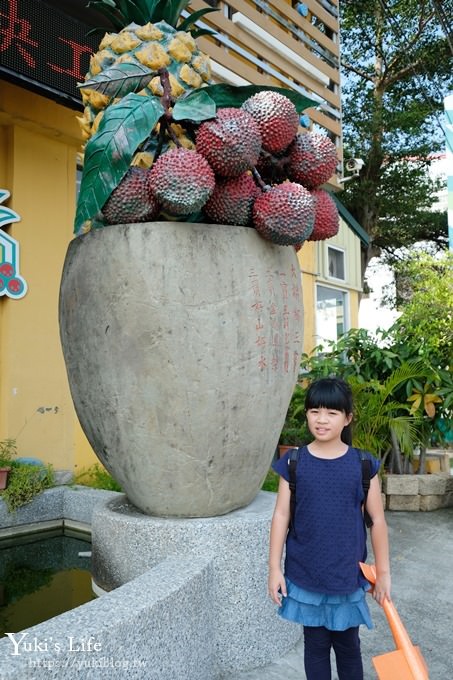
point(276, 585)
point(381, 590)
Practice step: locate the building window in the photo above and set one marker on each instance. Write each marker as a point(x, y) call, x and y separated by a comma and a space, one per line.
point(335, 262)
point(331, 314)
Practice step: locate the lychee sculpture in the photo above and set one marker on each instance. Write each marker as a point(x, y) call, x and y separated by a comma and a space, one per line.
point(276, 117)
point(162, 143)
point(284, 214)
point(132, 200)
point(312, 160)
point(327, 219)
point(230, 142)
point(232, 201)
point(181, 181)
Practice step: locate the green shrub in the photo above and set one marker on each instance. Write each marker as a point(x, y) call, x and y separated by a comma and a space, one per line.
point(8, 450)
point(295, 431)
point(271, 481)
point(97, 477)
point(25, 482)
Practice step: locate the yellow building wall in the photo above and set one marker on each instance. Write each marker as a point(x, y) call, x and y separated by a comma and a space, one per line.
point(354, 301)
point(348, 241)
point(307, 261)
point(39, 141)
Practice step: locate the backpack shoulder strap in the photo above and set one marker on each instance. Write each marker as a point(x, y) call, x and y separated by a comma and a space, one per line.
point(292, 469)
point(366, 480)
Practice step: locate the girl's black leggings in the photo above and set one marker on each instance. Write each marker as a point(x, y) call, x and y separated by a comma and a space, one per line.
point(346, 645)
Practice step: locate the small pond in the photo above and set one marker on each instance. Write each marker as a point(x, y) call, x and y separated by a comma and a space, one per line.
point(41, 577)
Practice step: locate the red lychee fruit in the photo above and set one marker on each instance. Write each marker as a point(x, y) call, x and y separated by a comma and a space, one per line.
point(232, 201)
point(182, 181)
point(132, 200)
point(327, 219)
point(284, 214)
point(231, 142)
point(277, 119)
point(312, 160)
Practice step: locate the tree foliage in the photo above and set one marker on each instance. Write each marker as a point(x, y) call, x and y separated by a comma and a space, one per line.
point(407, 369)
point(425, 326)
point(397, 70)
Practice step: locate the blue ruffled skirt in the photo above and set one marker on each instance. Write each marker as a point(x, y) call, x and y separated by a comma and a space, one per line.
point(334, 612)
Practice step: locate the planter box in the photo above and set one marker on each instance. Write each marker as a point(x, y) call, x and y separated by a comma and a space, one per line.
point(418, 492)
point(4, 471)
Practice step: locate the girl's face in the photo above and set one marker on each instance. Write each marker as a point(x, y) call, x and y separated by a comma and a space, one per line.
point(326, 424)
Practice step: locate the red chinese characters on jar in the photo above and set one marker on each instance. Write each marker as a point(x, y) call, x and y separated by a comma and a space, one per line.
point(276, 317)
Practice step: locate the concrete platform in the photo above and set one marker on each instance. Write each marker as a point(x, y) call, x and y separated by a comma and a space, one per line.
point(243, 630)
point(189, 599)
point(145, 624)
point(422, 577)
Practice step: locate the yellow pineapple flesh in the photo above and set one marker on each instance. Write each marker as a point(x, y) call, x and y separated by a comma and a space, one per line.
point(155, 46)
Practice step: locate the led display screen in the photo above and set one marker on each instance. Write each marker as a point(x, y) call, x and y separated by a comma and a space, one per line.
point(43, 49)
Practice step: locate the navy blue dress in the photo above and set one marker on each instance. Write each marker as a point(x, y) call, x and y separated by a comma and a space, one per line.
point(325, 584)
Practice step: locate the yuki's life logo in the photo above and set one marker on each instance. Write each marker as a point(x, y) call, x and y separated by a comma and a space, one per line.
point(23, 644)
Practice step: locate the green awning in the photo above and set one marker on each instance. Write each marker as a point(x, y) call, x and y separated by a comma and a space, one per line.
point(352, 222)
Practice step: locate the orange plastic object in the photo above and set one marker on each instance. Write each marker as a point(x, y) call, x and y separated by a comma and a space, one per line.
point(406, 662)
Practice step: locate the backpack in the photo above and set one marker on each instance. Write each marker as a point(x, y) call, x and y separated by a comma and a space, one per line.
point(366, 478)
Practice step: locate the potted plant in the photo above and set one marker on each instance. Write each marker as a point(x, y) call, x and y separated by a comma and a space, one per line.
point(25, 483)
point(180, 311)
point(7, 452)
point(292, 437)
point(4, 470)
point(25, 480)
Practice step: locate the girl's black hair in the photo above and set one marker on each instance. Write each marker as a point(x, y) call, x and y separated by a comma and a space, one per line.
point(332, 393)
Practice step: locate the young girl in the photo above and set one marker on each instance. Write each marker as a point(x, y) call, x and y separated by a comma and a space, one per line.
point(323, 587)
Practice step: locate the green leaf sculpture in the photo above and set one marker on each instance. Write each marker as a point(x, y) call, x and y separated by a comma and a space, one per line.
point(122, 13)
point(197, 107)
point(232, 95)
point(118, 81)
point(188, 24)
point(109, 152)
point(172, 9)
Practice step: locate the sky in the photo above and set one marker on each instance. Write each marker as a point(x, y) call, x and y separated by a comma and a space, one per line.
point(371, 314)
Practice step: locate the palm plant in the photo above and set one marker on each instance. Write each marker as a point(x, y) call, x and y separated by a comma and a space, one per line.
point(424, 399)
point(383, 423)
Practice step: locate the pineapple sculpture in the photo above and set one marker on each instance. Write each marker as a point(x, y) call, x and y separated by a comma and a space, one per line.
point(154, 46)
point(178, 322)
point(161, 143)
point(134, 79)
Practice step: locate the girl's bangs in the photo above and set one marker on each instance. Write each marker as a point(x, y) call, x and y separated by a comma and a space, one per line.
point(329, 394)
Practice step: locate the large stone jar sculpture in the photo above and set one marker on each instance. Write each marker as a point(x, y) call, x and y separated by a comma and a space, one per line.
point(182, 339)
point(182, 347)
